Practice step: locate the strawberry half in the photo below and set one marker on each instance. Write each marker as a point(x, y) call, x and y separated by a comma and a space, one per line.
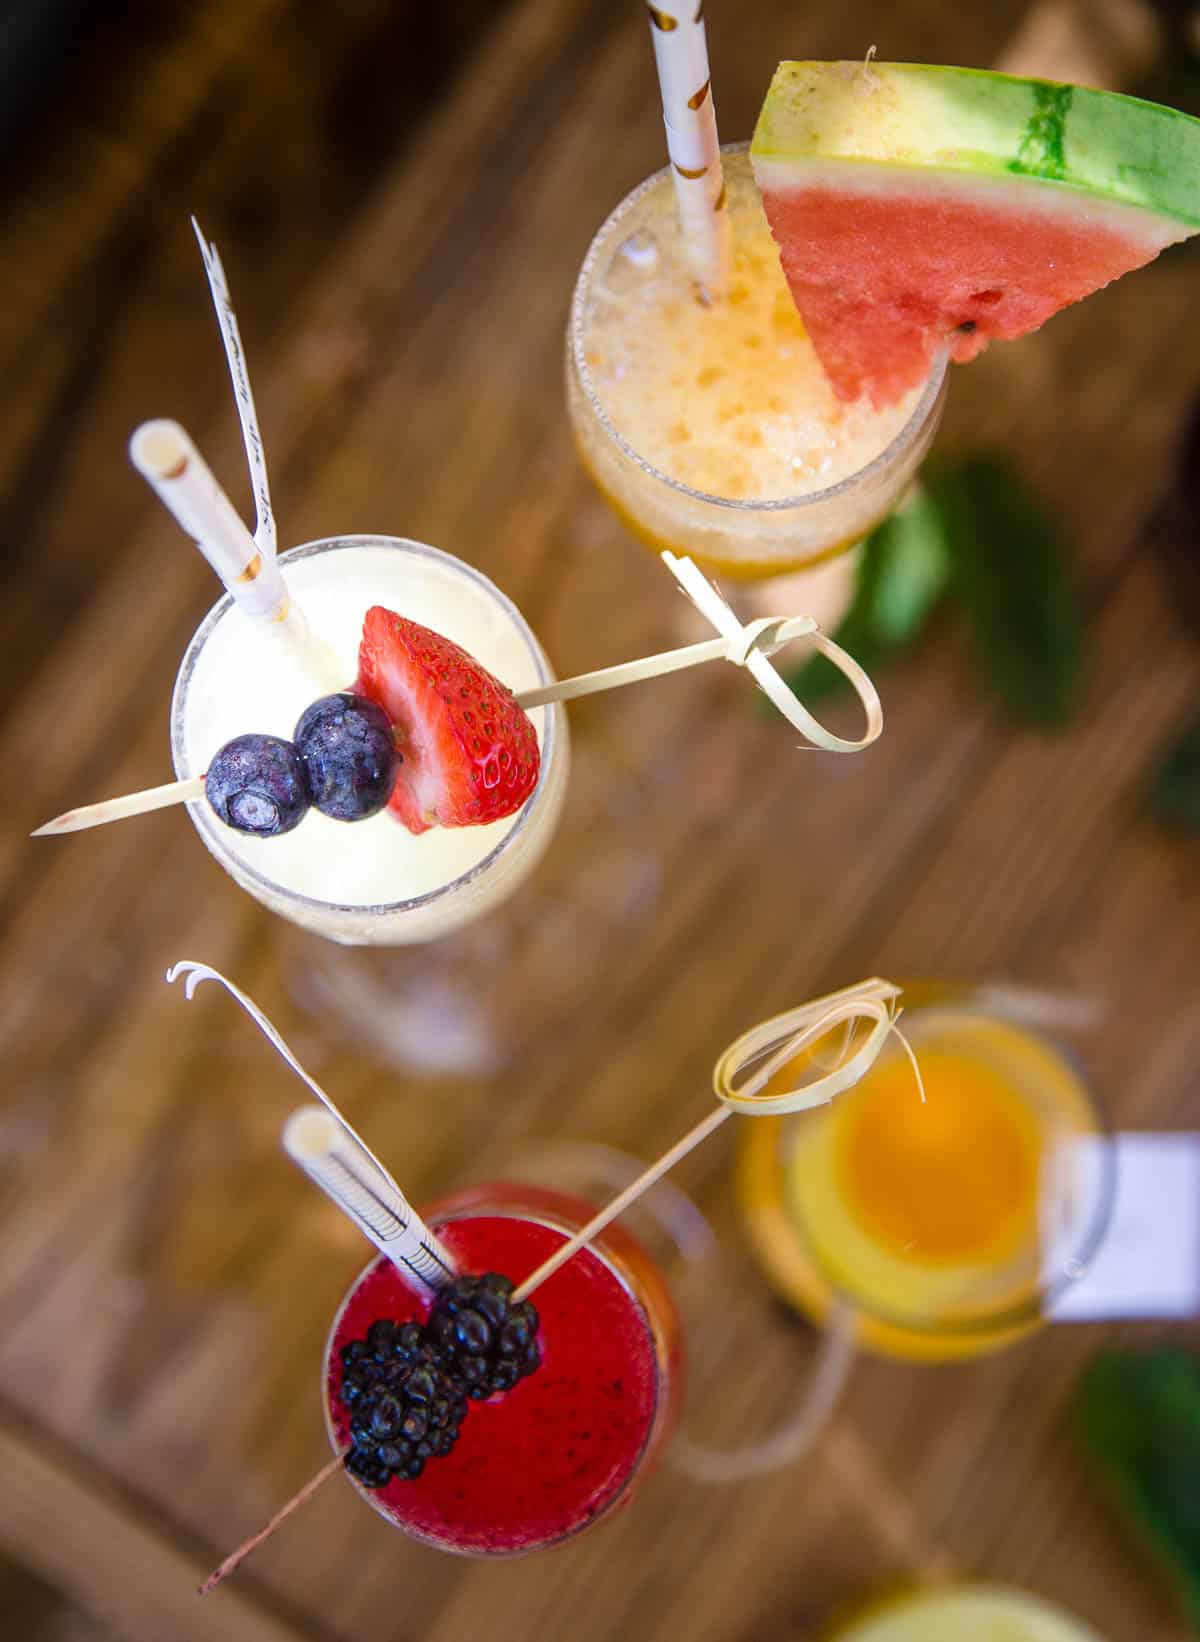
point(469, 752)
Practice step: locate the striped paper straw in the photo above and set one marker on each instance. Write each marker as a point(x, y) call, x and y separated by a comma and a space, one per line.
point(681, 55)
point(329, 1153)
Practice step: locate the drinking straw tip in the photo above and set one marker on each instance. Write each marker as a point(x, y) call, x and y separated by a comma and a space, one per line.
point(309, 1133)
point(159, 449)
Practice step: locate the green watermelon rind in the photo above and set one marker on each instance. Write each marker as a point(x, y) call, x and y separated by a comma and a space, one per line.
point(891, 120)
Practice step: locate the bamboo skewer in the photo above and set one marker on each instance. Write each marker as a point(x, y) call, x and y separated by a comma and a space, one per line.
point(789, 1034)
point(749, 645)
point(116, 809)
point(792, 1033)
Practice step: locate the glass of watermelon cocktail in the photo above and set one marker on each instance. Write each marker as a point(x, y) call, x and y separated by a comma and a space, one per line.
point(916, 213)
point(563, 1448)
point(712, 429)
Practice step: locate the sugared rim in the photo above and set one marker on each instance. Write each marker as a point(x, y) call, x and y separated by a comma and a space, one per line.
point(1043, 1295)
point(213, 832)
point(613, 1266)
point(887, 457)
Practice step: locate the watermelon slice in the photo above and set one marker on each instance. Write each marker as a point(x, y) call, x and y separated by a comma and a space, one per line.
point(922, 209)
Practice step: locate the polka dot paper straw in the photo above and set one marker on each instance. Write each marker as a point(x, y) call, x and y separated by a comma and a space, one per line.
point(681, 54)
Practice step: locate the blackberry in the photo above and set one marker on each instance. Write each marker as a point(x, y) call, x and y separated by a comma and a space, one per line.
point(349, 756)
point(255, 784)
point(405, 1407)
point(488, 1343)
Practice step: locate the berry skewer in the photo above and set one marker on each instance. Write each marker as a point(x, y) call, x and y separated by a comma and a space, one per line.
point(406, 1385)
point(407, 736)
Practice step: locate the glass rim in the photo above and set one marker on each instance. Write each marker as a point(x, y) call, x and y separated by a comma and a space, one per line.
point(1015, 1315)
point(212, 831)
point(893, 452)
point(475, 1211)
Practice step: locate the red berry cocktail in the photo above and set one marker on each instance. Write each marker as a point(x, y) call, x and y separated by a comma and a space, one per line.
point(523, 1424)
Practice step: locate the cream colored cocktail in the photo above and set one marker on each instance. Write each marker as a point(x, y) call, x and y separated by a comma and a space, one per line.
point(373, 882)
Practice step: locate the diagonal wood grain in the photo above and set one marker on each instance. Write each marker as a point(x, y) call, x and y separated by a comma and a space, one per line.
point(402, 273)
point(117, 1565)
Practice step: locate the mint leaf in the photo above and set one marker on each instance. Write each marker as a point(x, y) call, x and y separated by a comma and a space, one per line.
point(1010, 572)
point(904, 571)
point(1175, 792)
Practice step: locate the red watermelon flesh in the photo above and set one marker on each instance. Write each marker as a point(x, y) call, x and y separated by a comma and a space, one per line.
point(885, 283)
point(922, 210)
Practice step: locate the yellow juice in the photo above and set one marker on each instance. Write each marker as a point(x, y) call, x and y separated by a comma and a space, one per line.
point(712, 429)
point(931, 1218)
point(949, 1179)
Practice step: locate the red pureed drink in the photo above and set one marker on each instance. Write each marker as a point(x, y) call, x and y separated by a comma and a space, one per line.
point(563, 1448)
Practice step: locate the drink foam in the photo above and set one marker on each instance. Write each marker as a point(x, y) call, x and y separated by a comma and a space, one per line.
point(730, 399)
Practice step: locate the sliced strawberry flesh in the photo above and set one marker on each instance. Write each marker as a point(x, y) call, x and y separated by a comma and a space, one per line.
point(469, 753)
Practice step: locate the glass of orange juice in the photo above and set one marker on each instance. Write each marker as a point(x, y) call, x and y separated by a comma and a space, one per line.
point(948, 1225)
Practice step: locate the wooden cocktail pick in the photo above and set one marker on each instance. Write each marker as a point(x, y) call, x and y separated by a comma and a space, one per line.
point(749, 645)
point(740, 1080)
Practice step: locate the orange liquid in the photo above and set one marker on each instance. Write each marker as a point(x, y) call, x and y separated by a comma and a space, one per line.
point(951, 1180)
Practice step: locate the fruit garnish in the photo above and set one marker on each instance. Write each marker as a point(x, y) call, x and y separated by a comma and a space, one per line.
point(407, 1384)
point(256, 785)
point(349, 756)
point(469, 752)
point(489, 1343)
point(921, 210)
point(405, 1407)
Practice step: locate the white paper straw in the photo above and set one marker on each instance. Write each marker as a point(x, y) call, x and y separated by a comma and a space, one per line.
point(177, 473)
point(681, 56)
point(332, 1157)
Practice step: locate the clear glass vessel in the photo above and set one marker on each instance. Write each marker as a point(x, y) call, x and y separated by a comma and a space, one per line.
point(713, 431)
point(565, 1448)
point(949, 1227)
point(367, 882)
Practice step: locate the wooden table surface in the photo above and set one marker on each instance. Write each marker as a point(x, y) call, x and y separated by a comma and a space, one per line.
point(402, 194)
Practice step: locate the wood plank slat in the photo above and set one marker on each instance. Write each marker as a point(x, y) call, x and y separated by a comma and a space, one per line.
point(117, 1562)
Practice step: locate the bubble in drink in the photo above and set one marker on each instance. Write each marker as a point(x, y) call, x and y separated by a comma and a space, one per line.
point(641, 250)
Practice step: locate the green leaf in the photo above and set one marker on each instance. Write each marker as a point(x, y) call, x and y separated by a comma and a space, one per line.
point(1010, 573)
point(904, 571)
point(1138, 1419)
point(1175, 793)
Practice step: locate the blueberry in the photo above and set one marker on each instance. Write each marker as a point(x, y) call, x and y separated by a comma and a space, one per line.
point(256, 785)
point(348, 754)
